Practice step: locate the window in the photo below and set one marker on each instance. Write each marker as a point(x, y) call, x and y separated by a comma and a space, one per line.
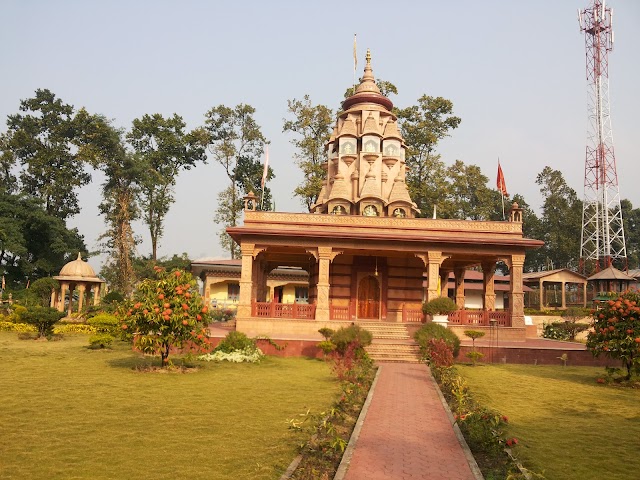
point(233, 292)
point(302, 295)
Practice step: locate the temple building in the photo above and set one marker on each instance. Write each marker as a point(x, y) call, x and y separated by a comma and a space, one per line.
point(366, 255)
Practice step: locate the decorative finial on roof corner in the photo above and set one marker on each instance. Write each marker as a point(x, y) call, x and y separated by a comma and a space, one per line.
point(79, 256)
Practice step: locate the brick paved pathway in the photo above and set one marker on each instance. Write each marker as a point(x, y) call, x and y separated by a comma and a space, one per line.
point(406, 433)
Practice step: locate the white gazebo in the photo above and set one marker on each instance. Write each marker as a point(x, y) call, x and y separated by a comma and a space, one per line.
point(76, 275)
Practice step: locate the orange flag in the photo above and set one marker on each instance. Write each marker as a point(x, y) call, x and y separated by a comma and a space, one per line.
point(502, 186)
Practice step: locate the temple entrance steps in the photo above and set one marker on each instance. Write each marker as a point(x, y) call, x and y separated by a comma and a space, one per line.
point(391, 343)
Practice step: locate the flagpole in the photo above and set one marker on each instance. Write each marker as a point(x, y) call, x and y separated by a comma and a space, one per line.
point(355, 62)
point(502, 196)
point(265, 172)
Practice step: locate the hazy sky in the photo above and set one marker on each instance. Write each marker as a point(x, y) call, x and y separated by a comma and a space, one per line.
point(515, 71)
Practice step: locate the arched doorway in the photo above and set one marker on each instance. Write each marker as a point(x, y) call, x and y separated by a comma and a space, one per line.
point(369, 298)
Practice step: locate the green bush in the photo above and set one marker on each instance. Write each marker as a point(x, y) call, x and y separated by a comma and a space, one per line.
point(353, 335)
point(43, 318)
point(105, 323)
point(100, 340)
point(222, 314)
point(439, 306)
point(236, 341)
point(435, 331)
point(563, 330)
point(112, 297)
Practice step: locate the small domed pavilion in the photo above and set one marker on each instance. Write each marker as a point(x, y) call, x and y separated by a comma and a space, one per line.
point(79, 275)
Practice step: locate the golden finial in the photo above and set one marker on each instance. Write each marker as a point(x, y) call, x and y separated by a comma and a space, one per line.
point(368, 57)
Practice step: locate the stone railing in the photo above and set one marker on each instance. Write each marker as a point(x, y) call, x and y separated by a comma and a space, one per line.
point(283, 310)
point(480, 317)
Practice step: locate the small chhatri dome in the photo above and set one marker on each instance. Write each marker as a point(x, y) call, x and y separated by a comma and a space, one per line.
point(78, 269)
point(367, 91)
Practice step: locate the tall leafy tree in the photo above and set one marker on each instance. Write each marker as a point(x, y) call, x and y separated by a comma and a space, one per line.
point(104, 147)
point(423, 126)
point(33, 243)
point(237, 144)
point(469, 196)
point(631, 219)
point(561, 220)
point(312, 126)
point(41, 139)
point(165, 149)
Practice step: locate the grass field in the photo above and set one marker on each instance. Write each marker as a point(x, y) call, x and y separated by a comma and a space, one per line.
point(569, 426)
point(67, 412)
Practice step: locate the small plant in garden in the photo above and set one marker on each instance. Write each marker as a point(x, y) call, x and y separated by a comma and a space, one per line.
point(222, 314)
point(166, 312)
point(106, 327)
point(326, 332)
point(43, 318)
point(616, 331)
point(435, 331)
point(439, 306)
point(236, 347)
point(474, 355)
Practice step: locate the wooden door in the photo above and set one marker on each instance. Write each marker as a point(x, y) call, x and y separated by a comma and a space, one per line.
point(369, 298)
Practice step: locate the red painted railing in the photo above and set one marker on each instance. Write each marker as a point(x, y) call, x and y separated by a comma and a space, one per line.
point(283, 310)
point(412, 315)
point(480, 317)
point(339, 312)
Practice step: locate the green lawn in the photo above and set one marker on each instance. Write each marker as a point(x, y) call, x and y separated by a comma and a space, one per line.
point(569, 426)
point(67, 412)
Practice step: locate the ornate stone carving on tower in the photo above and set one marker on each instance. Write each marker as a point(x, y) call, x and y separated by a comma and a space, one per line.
point(365, 164)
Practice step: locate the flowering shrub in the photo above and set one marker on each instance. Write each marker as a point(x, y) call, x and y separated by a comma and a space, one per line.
point(166, 312)
point(566, 330)
point(616, 331)
point(250, 355)
point(223, 314)
point(439, 353)
point(434, 330)
point(17, 327)
point(74, 328)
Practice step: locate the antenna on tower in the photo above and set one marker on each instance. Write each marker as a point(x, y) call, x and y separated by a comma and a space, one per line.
point(602, 240)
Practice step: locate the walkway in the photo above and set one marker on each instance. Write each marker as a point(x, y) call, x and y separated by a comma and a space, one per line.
point(406, 433)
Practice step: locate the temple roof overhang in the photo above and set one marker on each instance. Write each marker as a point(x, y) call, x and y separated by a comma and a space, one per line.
point(417, 232)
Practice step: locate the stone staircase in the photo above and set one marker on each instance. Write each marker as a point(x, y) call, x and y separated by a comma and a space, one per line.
point(391, 343)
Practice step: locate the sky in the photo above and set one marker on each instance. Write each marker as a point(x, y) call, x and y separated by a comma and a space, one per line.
point(515, 72)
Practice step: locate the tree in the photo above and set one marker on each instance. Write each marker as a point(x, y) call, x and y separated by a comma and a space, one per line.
point(166, 312)
point(469, 196)
point(42, 141)
point(33, 243)
point(235, 139)
point(312, 125)
point(40, 291)
point(423, 126)
point(616, 331)
point(43, 318)
point(103, 146)
point(631, 221)
point(561, 220)
point(164, 149)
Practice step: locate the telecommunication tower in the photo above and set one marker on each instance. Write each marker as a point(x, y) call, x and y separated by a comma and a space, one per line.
point(602, 240)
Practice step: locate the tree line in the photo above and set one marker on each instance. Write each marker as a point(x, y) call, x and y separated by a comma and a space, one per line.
point(49, 149)
point(46, 156)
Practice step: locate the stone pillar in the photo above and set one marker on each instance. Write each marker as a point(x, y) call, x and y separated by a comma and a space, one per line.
point(434, 259)
point(459, 276)
point(541, 293)
point(488, 291)
point(96, 294)
point(81, 292)
point(54, 298)
point(246, 280)
point(324, 261)
point(63, 293)
point(71, 288)
point(516, 294)
point(444, 283)
point(564, 295)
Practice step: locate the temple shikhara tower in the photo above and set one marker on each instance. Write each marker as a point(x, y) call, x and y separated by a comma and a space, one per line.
point(366, 165)
point(363, 254)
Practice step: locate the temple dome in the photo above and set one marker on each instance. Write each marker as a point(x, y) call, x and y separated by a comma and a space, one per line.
point(79, 271)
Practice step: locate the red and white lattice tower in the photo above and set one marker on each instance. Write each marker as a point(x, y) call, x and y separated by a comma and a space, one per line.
point(602, 240)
